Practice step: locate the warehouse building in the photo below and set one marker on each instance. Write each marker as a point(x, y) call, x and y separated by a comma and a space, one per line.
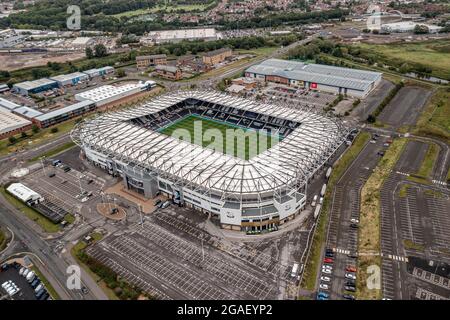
point(63, 114)
point(35, 86)
point(336, 80)
point(407, 26)
point(108, 93)
point(99, 72)
point(23, 193)
point(143, 62)
point(168, 72)
point(181, 34)
point(217, 56)
point(11, 124)
point(70, 79)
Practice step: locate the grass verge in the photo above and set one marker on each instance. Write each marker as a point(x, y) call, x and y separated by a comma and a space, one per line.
point(404, 190)
point(48, 286)
point(33, 138)
point(369, 230)
point(428, 162)
point(2, 240)
point(408, 244)
point(32, 214)
point(310, 273)
point(54, 151)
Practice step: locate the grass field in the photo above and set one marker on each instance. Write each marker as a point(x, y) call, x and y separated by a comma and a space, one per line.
point(245, 143)
point(2, 240)
point(435, 120)
point(433, 54)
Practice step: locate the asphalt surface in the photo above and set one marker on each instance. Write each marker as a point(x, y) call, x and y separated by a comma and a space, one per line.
point(405, 107)
point(345, 206)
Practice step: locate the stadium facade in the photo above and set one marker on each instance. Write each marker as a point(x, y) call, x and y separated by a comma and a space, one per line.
point(261, 192)
point(316, 77)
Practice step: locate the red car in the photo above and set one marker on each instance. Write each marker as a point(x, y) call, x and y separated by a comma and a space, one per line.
point(350, 269)
point(328, 260)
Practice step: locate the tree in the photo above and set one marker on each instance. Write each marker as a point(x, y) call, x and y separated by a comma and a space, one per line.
point(100, 50)
point(40, 73)
point(121, 73)
point(23, 134)
point(89, 53)
point(54, 130)
point(421, 29)
point(35, 128)
point(371, 118)
point(12, 140)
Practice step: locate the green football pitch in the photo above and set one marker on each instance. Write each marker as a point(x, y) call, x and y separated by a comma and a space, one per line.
point(220, 136)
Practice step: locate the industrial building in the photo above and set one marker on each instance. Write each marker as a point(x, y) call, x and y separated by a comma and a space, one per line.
point(35, 86)
point(217, 56)
point(11, 124)
point(181, 34)
point(70, 79)
point(336, 80)
point(6, 104)
point(407, 26)
point(99, 72)
point(23, 193)
point(63, 114)
point(27, 112)
point(168, 72)
point(255, 194)
point(143, 62)
point(108, 93)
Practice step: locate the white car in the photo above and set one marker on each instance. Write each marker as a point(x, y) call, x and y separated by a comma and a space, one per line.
point(323, 286)
point(327, 271)
point(349, 275)
point(354, 220)
point(84, 199)
point(324, 278)
point(373, 141)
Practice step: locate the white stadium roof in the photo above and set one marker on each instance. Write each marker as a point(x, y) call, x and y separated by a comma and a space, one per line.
point(293, 159)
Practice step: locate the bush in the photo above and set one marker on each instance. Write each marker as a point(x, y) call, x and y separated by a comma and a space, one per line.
point(12, 140)
point(35, 128)
point(54, 130)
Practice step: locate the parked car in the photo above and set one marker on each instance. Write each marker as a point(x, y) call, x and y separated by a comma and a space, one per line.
point(323, 286)
point(323, 294)
point(353, 220)
point(349, 275)
point(327, 271)
point(157, 202)
point(328, 260)
point(325, 278)
point(350, 269)
point(348, 297)
point(348, 288)
point(353, 226)
point(165, 204)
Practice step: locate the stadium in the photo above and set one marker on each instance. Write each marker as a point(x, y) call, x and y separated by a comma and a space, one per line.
point(254, 180)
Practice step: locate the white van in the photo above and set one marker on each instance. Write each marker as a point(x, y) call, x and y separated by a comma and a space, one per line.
point(313, 203)
point(30, 276)
point(25, 273)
